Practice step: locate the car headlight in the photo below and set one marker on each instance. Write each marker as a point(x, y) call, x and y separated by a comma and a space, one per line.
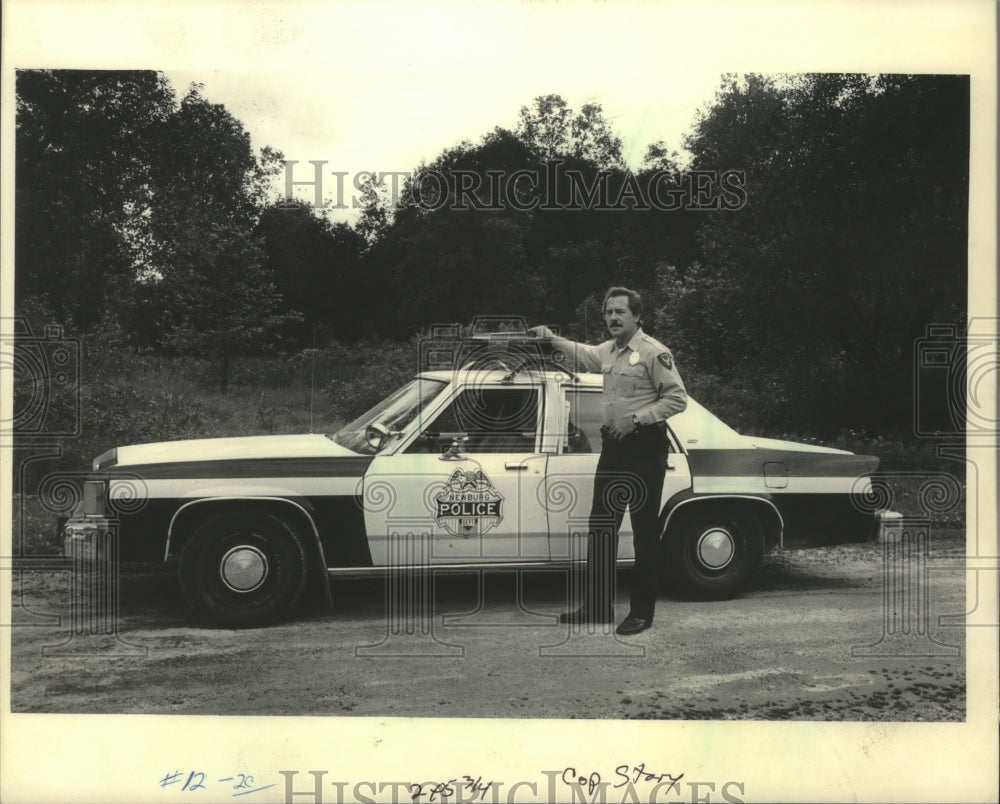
point(94, 496)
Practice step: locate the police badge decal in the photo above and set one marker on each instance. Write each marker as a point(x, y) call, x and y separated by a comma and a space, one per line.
point(469, 504)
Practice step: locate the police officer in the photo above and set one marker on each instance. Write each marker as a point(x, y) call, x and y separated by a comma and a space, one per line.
point(642, 388)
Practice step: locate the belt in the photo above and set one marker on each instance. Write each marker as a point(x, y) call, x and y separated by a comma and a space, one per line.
point(643, 431)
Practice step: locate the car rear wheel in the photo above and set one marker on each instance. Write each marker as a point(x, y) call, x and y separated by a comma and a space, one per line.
point(242, 569)
point(713, 555)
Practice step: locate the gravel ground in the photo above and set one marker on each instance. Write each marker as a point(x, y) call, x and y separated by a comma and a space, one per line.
point(798, 646)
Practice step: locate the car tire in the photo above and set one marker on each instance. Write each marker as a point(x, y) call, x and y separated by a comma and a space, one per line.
point(713, 555)
point(243, 569)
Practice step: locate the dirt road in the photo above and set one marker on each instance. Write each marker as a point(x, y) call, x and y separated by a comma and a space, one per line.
point(813, 640)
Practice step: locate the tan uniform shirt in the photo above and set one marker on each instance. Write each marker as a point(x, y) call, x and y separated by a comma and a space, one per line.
point(640, 379)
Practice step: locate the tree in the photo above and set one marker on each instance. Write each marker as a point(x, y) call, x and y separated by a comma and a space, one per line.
point(84, 142)
point(456, 266)
point(852, 241)
point(205, 173)
point(126, 200)
point(551, 130)
point(375, 212)
point(539, 246)
point(221, 301)
point(209, 190)
point(545, 126)
point(593, 139)
point(316, 268)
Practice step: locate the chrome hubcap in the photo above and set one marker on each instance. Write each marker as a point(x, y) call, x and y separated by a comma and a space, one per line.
point(716, 548)
point(243, 568)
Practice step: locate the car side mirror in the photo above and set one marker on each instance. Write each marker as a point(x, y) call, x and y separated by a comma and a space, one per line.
point(453, 453)
point(376, 435)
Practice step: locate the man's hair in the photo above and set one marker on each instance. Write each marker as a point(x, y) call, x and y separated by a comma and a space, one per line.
point(634, 300)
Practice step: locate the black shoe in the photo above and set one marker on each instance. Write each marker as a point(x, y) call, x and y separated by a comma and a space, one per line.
point(584, 615)
point(633, 625)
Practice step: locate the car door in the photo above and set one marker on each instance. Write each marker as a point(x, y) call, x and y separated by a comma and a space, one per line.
point(570, 479)
point(467, 488)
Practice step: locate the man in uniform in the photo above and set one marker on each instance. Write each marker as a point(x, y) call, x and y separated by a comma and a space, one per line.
point(642, 388)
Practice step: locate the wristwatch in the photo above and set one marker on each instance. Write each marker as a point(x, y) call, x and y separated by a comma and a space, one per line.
point(635, 421)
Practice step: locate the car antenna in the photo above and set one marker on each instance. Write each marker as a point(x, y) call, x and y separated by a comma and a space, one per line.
point(312, 376)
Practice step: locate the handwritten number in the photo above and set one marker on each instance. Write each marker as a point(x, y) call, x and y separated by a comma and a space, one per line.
point(244, 782)
point(444, 790)
point(190, 784)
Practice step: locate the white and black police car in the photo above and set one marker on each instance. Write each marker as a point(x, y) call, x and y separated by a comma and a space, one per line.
point(486, 466)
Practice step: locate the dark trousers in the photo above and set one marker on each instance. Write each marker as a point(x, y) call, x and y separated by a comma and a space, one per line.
point(629, 475)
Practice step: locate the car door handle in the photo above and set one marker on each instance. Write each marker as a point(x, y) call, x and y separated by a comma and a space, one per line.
point(515, 467)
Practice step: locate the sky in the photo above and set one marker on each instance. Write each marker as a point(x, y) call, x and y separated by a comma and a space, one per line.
point(368, 92)
point(385, 86)
point(398, 123)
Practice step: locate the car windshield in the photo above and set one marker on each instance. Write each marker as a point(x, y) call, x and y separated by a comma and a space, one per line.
point(394, 413)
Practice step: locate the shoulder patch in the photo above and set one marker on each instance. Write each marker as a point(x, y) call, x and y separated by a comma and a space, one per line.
point(666, 360)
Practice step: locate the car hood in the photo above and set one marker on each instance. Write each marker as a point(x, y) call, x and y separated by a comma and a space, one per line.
point(222, 449)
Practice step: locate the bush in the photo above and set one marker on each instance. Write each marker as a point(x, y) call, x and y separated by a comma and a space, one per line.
point(368, 372)
point(748, 410)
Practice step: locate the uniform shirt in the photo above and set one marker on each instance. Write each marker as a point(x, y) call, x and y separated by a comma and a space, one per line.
point(640, 379)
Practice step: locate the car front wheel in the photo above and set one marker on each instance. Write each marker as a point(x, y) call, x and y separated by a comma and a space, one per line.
point(713, 555)
point(242, 569)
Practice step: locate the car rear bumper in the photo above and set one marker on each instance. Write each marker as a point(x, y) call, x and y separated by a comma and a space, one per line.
point(87, 538)
point(889, 526)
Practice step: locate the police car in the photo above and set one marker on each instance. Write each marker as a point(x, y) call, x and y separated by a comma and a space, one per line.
point(485, 467)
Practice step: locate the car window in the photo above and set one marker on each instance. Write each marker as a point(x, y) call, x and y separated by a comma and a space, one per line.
point(494, 419)
point(586, 415)
point(395, 413)
point(585, 419)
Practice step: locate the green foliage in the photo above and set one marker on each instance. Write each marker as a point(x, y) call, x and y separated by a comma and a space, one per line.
point(374, 220)
point(145, 217)
point(130, 397)
point(136, 211)
point(551, 130)
point(83, 184)
point(367, 372)
point(220, 302)
point(205, 172)
point(316, 270)
point(478, 252)
point(852, 241)
point(215, 289)
point(457, 266)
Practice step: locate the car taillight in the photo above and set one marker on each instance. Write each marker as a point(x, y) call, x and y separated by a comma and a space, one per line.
point(106, 459)
point(94, 495)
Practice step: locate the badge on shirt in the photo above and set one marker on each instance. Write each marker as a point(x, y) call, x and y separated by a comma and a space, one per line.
point(666, 360)
point(633, 359)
